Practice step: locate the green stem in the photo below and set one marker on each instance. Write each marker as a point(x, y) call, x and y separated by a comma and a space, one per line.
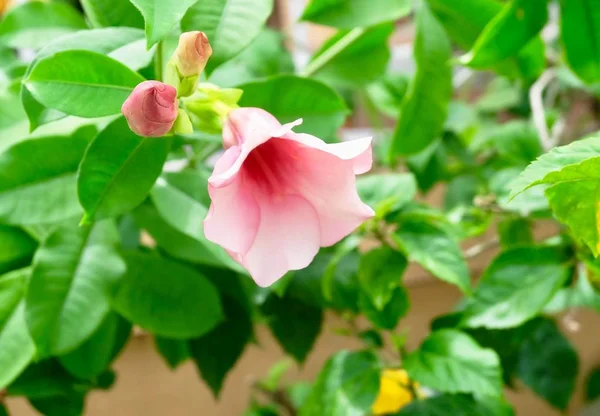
point(331, 52)
point(158, 61)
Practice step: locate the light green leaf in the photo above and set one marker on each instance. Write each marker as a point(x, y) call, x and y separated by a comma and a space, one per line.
point(162, 17)
point(519, 22)
point(118, 170)
point(435, 249)
point(368, 50)
point(387, 317)
point(103, 13)
point(289, 97)
point(347, 14)
point(516, 287)
point(16, 248)
point(451, 361)
point(67, 300)
point(379, 273)
point(387, 94)
point(16, 347)
point(580, 33)
point(81, 83)
point(34, 24)
point(456, 405)
point(229, 24)
point(37, 179)
point(425, 105)
point(174, 351)
point(580, 295)
point(346, 386)
point(188, 306)
point(386, 193)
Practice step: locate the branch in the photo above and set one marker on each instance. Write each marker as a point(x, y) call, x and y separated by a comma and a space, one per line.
point(278, 397)
point(482, 247)
point(331, 52)
point(537, 107)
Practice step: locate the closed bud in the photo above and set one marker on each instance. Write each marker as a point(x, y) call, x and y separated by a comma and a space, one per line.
point(151, 109)
point(192, 53)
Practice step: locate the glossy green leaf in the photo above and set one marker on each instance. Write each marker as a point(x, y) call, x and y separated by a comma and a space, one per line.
point(388, 316)
point(188, 306)
point(368, 50)
point(347, 385)
point(95, 355)
point(516, 287)
point(162, 17)
point(67, 300)
point(174, 351)
point(519, 22)
point(451, 361)
point(34, 24)
point(294, 324)
point(456, 405)
point(216, 352)
point(16, 248)
point(386, 193)
point(81, 83)
point(425, 106)
point(103, 13)
point(16, 347)
point(37, 179)
point(229, 24)
point(118, 170)
point(289, 97)
point(348, 14)
point(580, 33)
point(380, 271)
point(433, 248)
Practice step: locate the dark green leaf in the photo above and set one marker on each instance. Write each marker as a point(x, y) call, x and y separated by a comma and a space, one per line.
point(592, 385)
point(216, 353)
point(174, 351)
point(388, 192)
point(452, 362)
point(515, 232)
point(16, 248)
point(390, 314)
point(118, 170)
point(425, 106)
point(355, 13)
point(379, 273)
point(45, 379)
point(112, 13)
point(517, 142)
point(456, 405)
point(289, 97)
point(188, 306)
point(71, 405)
point(388, 93)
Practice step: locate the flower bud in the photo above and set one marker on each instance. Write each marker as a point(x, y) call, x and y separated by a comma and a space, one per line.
point(192, 53)
point(151, 109)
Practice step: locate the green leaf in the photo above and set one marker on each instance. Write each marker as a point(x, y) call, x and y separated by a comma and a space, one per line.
point(186, 214)
point(464, 22)
point(388, 316)
point(103, 13)
point(379, 274)
point(16, 248)
point(548, 364)
point(347, 385)
point(188, 306)
point(580, 33)
point(34, 24)
point(37, 179)
point(216, 352)
point(368, 50)
point(162, 17)
point(433, 248)
point(529, 202)
point(516, 287)
point(517, 142)
point(118, 170)
point(67, 300)
point(387, 94)
point(294, 324)
point(95, 355)
point(348, 14)
point(519, 22)
point(579, 295)
point(71, 405)
point(425, 105)
point(388, 192)
point(16, 347)
point(451, 361)
point(456, 405)
point(81, 83)
point(289, 97)
point(592, 385)
point(174, 351)
point(229, 24)
point(515, 232)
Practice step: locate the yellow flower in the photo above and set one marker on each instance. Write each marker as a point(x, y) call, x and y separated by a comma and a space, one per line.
point(394, 392)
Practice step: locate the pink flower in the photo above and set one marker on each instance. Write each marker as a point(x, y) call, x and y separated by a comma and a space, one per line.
point(151, 109)
point(192, 53)
point(277, 196)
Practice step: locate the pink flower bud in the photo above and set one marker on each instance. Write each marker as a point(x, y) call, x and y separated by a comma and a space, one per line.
point(151, 109)
point(192, 53)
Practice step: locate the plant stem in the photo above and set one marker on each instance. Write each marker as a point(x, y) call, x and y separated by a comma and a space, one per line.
point(158, 61)
point(331, 52)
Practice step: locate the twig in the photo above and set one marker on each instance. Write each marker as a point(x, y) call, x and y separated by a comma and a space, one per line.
point(2, 395)
point(482, 247)
point(537, 107)
point(277, 397)
point(331, 52)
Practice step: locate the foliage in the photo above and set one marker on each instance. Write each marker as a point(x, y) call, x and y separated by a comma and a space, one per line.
point(102, 230)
